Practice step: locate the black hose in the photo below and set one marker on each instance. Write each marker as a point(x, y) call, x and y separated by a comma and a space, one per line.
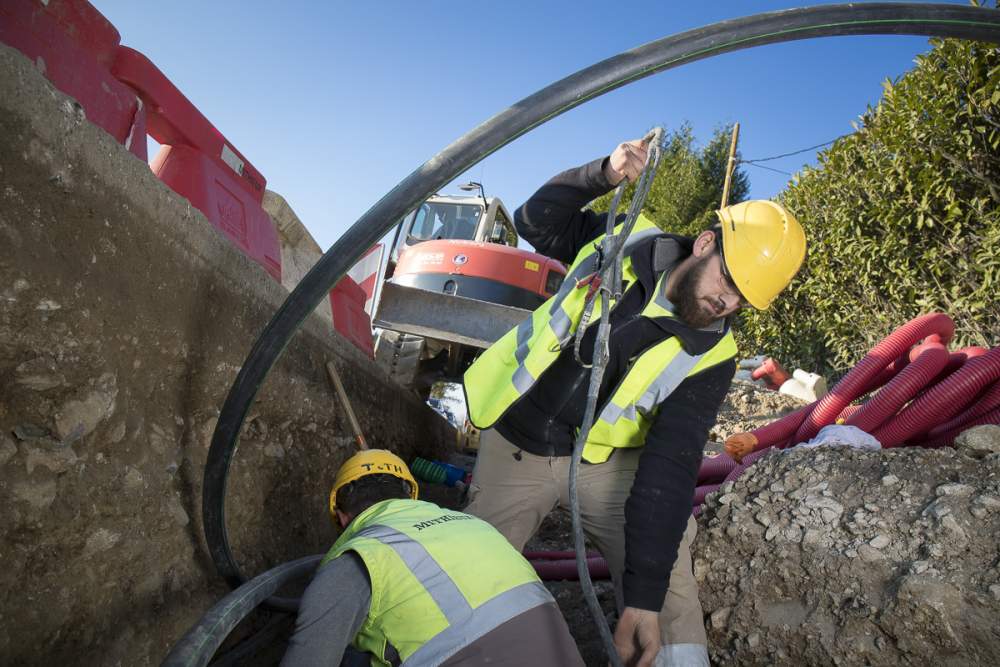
point(201, 642)
point(935, 20)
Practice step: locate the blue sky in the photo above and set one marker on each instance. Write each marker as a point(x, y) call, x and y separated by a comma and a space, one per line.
point(336, 102)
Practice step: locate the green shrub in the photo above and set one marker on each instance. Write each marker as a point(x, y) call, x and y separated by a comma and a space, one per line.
point(688, 184)
point(902, 219)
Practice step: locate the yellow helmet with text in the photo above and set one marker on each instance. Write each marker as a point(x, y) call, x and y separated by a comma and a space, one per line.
point(763, 246)
point(371, 462)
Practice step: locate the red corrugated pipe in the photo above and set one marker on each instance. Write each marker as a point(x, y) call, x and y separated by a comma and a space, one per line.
point(859, 379)
point(942, 401)
point(941, 386)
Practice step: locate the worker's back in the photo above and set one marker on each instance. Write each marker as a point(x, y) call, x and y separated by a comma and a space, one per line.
point(447, 588)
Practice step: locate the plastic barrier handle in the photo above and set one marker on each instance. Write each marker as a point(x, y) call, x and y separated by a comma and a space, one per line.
point(173, 120)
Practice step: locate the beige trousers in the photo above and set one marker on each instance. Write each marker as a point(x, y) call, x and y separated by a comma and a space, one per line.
point(515, 490)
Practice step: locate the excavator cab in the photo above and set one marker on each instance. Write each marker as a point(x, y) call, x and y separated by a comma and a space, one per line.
point(456, 281)
point(438, 219)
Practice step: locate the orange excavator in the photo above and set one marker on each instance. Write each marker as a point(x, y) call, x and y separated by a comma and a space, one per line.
point(455, 282)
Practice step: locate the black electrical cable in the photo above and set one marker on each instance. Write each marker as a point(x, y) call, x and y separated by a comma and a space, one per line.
point(932, 20)
point(201, 642)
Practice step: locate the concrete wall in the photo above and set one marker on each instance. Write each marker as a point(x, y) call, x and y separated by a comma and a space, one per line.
point(124, 318)
point(299, 250)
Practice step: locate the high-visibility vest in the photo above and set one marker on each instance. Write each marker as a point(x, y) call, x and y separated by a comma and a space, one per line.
point(440, 580)
point(510, 367)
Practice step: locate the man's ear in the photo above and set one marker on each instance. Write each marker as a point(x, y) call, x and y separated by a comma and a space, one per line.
point(704, 244)
point(343, 518)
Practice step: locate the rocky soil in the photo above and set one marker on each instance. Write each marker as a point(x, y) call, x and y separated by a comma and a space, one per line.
point(748, 406)
point(838, 556)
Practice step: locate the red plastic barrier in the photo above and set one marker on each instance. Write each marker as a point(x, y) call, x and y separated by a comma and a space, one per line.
point(174, 121)
point(212, 190)
point(197, 162)
point(74, 45)
point(347, 301)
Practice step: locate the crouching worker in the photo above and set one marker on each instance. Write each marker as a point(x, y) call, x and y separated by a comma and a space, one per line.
point(411, 583)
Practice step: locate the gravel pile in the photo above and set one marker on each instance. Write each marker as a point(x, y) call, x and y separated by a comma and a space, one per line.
point(839, 556)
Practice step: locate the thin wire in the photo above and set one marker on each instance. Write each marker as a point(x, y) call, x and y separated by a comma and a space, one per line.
point(760, 166)
point(804, 150)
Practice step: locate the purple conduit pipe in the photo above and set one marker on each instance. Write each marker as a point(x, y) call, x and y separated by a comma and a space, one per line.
point(715, 468)
point(565, 570)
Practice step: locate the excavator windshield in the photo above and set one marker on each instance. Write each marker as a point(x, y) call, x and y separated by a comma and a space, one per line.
point(444, 220)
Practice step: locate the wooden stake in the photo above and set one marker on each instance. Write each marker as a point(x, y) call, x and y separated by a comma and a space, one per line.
point(331, 370)
point(730, 166)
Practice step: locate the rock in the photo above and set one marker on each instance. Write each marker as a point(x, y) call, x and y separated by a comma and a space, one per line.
point(174, 508)
point(79, 417)
point(7, 450)
point(57, 460)
point(880, 542)
point(979, 441)
point(953, 531)
point(38, 494)
point(100, 540)
point(953, 490)
point(38, 375)
point(890, 480)
point(869, 554)
point(28, 432)
point(117, 433)
point(719, 617)
point(133, 479)
point(274, 451)
point(986, 504)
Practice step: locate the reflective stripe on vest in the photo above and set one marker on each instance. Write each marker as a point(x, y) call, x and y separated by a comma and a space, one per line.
point(509, 368)
point(424, 611)
point(465, 624)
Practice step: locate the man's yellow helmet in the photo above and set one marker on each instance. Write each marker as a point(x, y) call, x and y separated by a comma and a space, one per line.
point(763, 246)
point(370, 462)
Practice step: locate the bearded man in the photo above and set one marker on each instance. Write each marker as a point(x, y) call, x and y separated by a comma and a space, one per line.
point(672, 357)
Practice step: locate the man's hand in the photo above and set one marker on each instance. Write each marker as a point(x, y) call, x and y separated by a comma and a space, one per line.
point(637, 637)
point(626, 161)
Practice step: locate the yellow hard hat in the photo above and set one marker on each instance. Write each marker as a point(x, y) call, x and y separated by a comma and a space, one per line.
point(371, 462)
point(763, 246)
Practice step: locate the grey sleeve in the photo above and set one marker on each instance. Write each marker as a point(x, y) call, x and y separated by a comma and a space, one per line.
point(333, 609)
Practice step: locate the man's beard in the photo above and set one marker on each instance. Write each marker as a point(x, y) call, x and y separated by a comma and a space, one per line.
point(689, 307)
